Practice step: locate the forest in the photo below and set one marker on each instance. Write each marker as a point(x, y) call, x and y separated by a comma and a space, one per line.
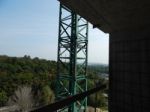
point(26, 75)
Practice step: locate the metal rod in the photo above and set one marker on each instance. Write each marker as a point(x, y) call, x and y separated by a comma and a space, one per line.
point(66, 102)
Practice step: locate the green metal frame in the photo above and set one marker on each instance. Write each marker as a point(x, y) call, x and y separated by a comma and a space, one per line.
point(72, 58)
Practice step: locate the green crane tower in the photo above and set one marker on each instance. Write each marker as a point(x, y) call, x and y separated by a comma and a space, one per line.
point(72, 58)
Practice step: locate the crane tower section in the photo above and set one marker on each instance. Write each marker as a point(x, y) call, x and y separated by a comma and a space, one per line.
point(72, 58)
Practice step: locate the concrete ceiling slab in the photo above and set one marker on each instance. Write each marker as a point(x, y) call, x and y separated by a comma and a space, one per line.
point(112, 15)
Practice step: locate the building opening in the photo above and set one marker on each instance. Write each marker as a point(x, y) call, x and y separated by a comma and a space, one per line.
point(28, 54)
point(98, 69)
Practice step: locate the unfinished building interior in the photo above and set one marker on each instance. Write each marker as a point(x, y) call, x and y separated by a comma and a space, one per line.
point(127, 22)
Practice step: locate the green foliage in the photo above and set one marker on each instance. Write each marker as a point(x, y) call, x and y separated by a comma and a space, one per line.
point(47, 95)
point(3, 98)
point(98, 68)
point(40, 75)
point(94, 79)
point(17, 71)
point(97, 100)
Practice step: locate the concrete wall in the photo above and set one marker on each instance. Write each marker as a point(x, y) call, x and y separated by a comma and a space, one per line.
point(130, 71)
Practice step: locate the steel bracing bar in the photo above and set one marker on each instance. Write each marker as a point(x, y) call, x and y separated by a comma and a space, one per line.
point(66, 102)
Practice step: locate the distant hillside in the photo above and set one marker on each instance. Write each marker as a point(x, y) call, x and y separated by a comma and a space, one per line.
point(40, 75)
point(98, 64)
point(98, 68)
point(19, 71)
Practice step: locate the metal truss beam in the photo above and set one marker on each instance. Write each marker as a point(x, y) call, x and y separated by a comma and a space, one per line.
point(72, 57)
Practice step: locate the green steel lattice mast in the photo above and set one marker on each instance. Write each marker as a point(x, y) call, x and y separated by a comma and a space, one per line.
point(72, 58)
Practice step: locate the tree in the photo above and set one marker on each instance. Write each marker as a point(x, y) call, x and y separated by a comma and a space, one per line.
point(47, 95)
point(3, 98)
point(23, 99)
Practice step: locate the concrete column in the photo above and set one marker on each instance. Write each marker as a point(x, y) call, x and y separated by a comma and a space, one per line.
point(130, 71)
